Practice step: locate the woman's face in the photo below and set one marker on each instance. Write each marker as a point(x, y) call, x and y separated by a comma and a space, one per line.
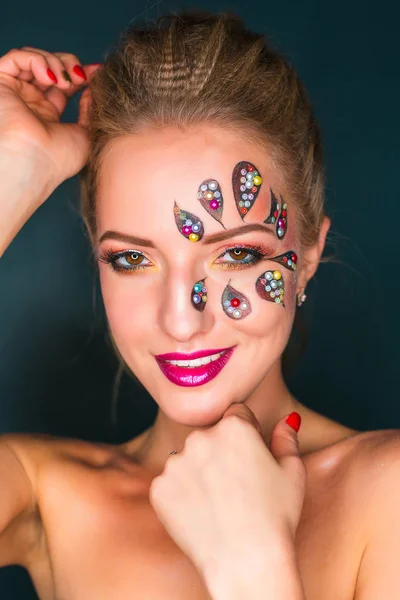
point(150, 302)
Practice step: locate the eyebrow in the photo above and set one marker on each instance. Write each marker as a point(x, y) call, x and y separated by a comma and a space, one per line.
point(208, 239)
point(124, 237)
point(223, 235)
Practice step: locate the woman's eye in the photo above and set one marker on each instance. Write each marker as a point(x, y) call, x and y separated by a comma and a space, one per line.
point(126, 261)
point(239, 256)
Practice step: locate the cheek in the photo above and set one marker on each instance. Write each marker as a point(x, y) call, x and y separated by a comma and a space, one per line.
point(269, 320)
point(127, 311)
point(265, 316)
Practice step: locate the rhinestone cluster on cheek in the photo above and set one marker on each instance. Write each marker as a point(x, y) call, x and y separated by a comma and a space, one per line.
point(271, 286)
point(235, 304)
point(188, 224)
point(246, 183)
point(199, 295)
point(288, 260)
point(211, 199)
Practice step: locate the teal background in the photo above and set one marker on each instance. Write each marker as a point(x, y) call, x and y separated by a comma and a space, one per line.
point(57, 367)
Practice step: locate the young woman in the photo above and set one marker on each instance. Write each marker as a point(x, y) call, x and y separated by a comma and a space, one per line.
point(203, 194)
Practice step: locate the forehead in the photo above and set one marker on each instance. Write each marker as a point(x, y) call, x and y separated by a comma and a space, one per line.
point(142, 175)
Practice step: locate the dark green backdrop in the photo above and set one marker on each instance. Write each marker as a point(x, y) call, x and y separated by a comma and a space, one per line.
point(56, 367)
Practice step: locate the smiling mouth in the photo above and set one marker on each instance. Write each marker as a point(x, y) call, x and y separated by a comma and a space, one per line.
point(198, 368)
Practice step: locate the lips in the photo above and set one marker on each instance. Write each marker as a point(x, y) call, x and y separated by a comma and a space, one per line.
point(191, 376)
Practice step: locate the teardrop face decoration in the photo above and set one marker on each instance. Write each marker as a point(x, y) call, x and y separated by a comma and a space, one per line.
point(288, 260)
point(270, 286)
point(235, 304)
point(188, 224)
point(199, 295)
point(281, 226)
point(274, 213)
point(211, 199)
point(246, 183)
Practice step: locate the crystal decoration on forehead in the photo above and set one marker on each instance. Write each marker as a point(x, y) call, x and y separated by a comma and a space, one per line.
point(270, 286)
point(288, 260)
point(188, 224)
point(275, 217)
point(199, 295)
point(235, 304)
point(281, 226)
point(210, 197)
point(274, 212)
point(246, 183)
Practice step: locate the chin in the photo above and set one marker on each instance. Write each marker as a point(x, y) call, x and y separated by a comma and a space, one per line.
point(199, 406)
point(203, 398)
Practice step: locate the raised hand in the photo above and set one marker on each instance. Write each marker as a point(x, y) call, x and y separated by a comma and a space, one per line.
point(33, 96)
point(226, 498)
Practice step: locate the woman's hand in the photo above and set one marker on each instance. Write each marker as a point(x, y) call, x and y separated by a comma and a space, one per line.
point(34, 91)
point(226, 499)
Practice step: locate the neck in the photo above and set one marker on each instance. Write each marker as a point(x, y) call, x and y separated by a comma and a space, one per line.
point(269, 402)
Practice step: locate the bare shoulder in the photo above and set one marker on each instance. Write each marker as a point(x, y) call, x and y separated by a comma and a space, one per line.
point(351, 503)
point(374, 485)
point(373, 465)
point(352, 478)
point(39, 450)
point(39, 456)
point(46, 459)
point(375, 455)
point(358, 457)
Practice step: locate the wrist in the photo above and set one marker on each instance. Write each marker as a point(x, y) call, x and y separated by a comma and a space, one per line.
point(270, 573)
point(22, 191)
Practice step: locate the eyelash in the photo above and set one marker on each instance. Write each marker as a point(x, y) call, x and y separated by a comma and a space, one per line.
point(258, 252)
point(111, 257)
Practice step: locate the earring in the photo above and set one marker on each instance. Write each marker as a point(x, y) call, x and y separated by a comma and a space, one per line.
point(301, 298)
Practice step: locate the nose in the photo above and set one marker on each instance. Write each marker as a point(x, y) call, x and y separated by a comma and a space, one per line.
point(178, 318)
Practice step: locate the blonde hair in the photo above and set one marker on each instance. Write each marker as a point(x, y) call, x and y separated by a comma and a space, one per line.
point(203, 68)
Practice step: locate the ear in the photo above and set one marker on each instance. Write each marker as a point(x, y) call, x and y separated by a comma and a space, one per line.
point(312, 256)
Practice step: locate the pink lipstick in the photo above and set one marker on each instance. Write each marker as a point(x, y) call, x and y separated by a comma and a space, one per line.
point(197, 368)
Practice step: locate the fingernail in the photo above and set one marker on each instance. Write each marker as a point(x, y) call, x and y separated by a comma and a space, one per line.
point(294, 420)
point(51, 75)
point(79, 71)
point(66, 76)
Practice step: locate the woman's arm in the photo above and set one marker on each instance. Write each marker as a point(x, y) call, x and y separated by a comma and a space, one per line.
point(21, 193)
point(37, 151)
point(19, 533)
point(272, 575)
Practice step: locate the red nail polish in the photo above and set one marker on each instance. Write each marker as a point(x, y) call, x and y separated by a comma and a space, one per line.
point(79, 71)
point(51, 75)
point(294, 420)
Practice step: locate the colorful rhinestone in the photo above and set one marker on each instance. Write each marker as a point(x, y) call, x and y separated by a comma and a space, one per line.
point(188, 224)
point(211, 199)
point(246, 183)
point(199, 295)
point(234, 304)
point(281, 225)
point(274, 212)
point(288, 260)
point(271, 286)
